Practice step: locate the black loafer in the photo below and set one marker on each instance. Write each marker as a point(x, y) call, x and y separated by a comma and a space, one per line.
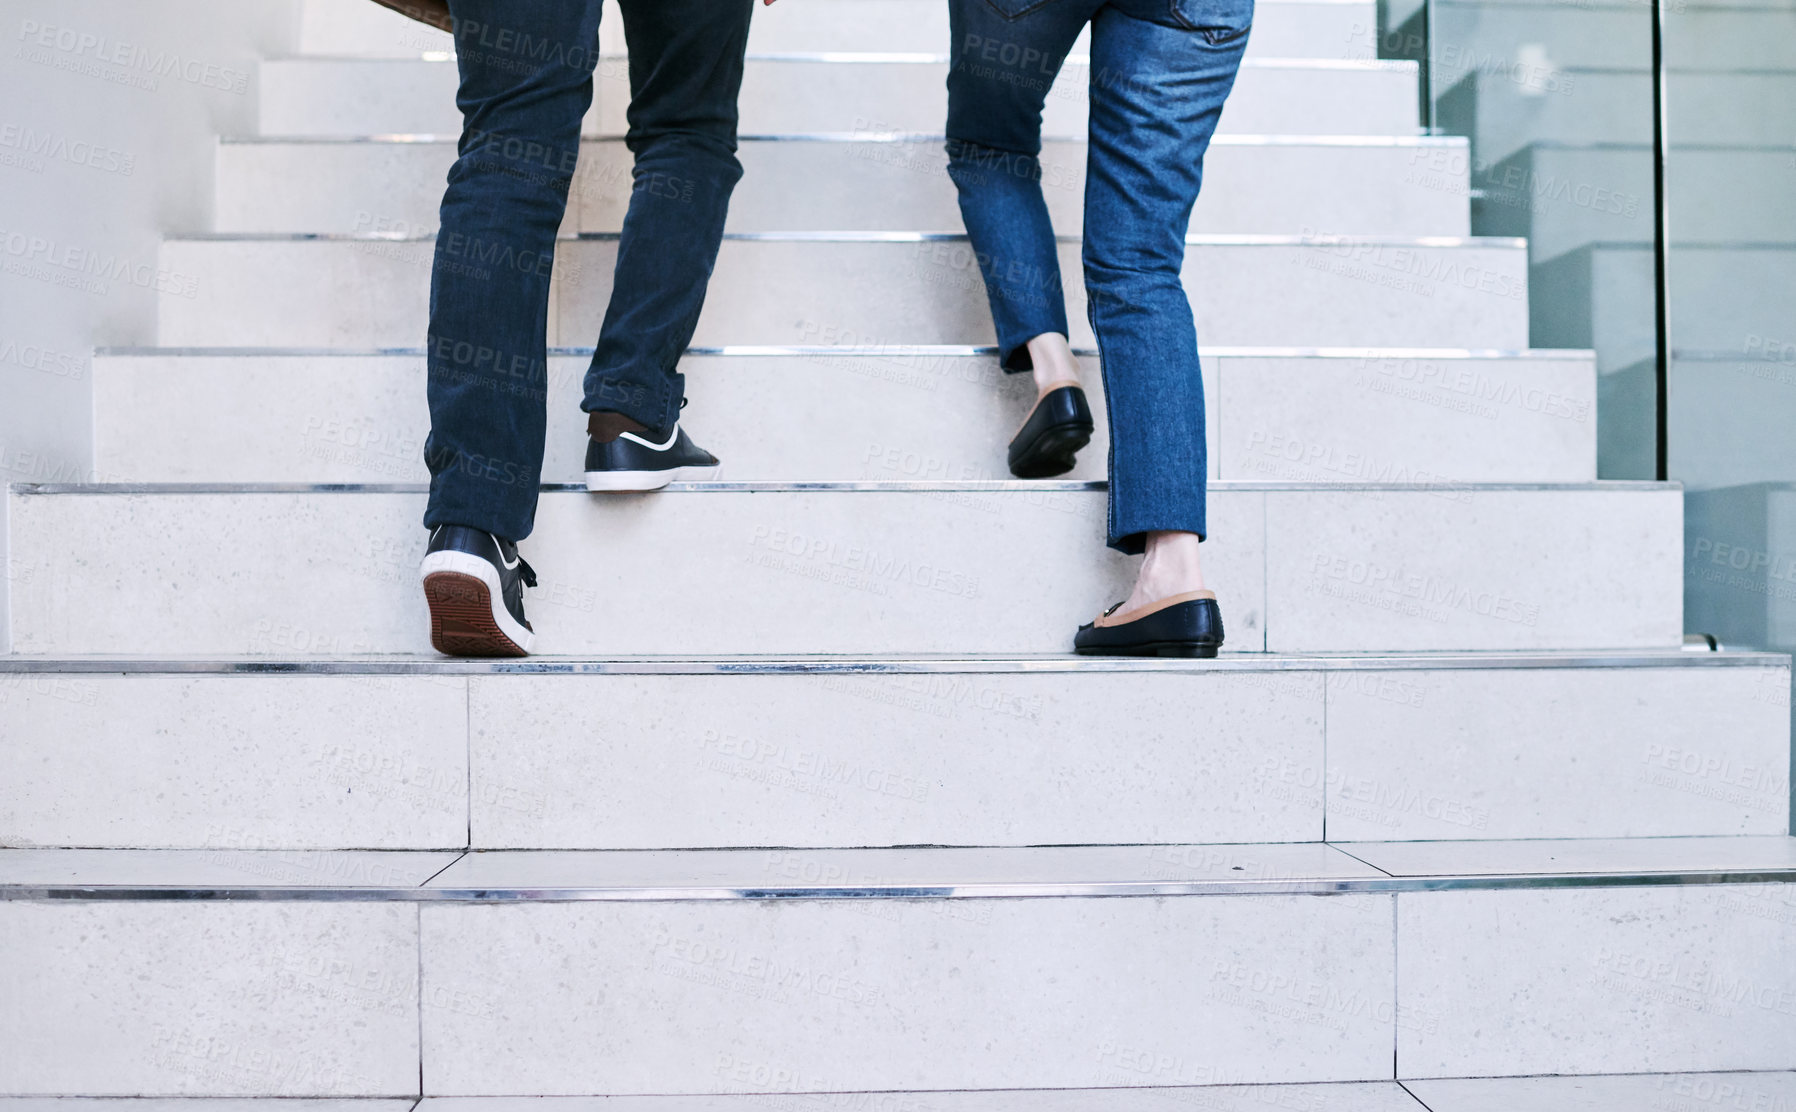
point(1183, 625)
point(1058, 426)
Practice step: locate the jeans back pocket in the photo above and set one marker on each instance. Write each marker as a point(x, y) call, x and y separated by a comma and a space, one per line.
point(1218, 21)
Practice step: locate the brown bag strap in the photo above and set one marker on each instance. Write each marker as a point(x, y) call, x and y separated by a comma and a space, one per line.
point(433, 12)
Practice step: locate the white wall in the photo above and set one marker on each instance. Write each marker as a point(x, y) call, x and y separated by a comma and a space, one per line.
point(109, 112)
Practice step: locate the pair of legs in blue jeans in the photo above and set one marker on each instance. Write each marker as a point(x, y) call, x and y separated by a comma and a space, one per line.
point(1160, 72)
point(526, 82)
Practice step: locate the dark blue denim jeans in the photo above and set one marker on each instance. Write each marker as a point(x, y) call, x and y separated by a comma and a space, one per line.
point(1160, 71)
point(526, 82)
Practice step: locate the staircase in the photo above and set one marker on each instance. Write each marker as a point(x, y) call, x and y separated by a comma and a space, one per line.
point(807, 806)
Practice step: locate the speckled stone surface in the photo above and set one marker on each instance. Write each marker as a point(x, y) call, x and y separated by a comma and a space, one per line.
point(167, 999)
point(1447, 569)
point(297, 762)
point(223, 866)
point(1371, 1096)
point(819, 996)
point(1409, 419)
point(1596, 980)
point(1548, 856)
point(336, 97)
point(666, 761)
point(344, 418)
point(999, 869)
point(681, 573)
point(1618, 752)
point(863, 183)
point(1662, 1092)
point(370, 293)
point(868, 571)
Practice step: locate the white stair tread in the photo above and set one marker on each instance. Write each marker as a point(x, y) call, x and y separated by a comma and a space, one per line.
point(428, 663)
point(224, 867)
point(208, 1104)
point(1573, 855)
point(1600, 1093)
point(860, 486)
point(897, 873)
point(1361, 1096)
point(1614, 1093)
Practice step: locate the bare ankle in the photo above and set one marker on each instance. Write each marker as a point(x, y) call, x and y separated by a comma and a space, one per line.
point(1172, 566)
point(1053, 359)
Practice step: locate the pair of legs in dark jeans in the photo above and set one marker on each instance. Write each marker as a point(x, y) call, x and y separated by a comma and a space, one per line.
point(1160, 72)
point(526, 82)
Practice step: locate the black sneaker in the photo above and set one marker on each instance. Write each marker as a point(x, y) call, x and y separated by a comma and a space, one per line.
point(638, 461)
point(474, 583)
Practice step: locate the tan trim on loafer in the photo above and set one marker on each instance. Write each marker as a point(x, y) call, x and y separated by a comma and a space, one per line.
point(1111, 618)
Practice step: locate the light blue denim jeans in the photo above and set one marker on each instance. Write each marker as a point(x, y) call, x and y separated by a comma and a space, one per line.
point(1160, 72)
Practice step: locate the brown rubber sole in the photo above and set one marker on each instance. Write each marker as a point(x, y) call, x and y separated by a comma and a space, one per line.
point(461, 617)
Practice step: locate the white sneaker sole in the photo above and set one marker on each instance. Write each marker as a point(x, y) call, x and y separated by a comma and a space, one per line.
point(637, 482)
point(467, 608)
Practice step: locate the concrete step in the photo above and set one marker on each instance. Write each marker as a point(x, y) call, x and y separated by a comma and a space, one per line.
point(744, 568)
point(1606, 1094)
point(868, 288)
point(831, 93)
point(232, 972)
point(1282, 29)
point(896, 414)
point(556, 753)
point(1252, 183)
point(1615, 1093)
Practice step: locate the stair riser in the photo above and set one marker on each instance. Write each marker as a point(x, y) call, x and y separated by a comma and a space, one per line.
point(248, 998)
point(374, 293)
point(1250, 188)
point(291, 762)
point(653, 762)
point(934, 417)
point(210, 999)
point(867, 981)
point(1624, 980)
point(873, 571)
point(343, 98)
point(1288, 29)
